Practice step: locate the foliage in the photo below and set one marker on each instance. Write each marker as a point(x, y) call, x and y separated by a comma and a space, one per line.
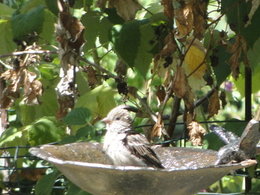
point(64, 67)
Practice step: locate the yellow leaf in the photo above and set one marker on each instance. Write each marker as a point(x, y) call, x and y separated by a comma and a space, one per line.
point(194, 65)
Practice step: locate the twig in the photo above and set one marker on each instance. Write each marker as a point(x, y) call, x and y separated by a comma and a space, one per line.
point(174, 115)
point(100, 68)
point(200, 101)
point(18, 53)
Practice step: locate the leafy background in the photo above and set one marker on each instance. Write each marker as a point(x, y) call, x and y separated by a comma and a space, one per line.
point(161, 56)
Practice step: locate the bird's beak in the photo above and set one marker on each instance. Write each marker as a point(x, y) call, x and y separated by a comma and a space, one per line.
point(106, 120)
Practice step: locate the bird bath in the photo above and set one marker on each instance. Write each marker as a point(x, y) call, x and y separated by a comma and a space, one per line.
point(187, 170)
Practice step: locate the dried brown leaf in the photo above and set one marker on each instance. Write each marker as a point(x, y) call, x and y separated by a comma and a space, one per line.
point(157, 128)
point(160, 93)
point(214, 104)
point(196, 133)
point(184, 19)
point(20, 78)
point(121, 68)
point(180, 82)
point(28, 174)
point(222, 98)
point(91, 75)
point(168, 8)
point(126, 8)
point(182, 88)
point(199, 10)
point(237, 49)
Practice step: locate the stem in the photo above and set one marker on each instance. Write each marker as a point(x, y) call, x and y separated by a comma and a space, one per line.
point(18, 53)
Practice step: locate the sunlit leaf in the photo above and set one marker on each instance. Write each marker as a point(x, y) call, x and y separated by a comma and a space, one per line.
point(99, 101)
point(13, 137)
point(5, 10)
point(91, 22)
point(47, 33)
point(45, 130)
point(6, 37)
point(78, 116)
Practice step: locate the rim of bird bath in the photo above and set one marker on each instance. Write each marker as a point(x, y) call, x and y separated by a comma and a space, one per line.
point(187, 171)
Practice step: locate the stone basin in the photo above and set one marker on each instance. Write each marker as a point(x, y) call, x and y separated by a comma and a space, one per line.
point(187, 170)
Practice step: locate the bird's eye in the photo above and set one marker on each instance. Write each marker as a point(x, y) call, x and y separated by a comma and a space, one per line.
point(117, 118)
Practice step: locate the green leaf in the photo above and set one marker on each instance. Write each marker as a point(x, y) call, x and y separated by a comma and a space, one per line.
point(237, 18)
point(6, 37)
point(91, 21)
point(45, 185)
point(29, 22)
point(29, 113)
point(48, 26)
point(75, 190)
point(133, 45)
point(78, 116)
point(86, 131)
point(45, 130)
point(219, 62)
point(13, 137)
point(29, 5)
point(5, 11)
point(99, 101)
point(113, 17)
point(52, 6)
point(105, 31)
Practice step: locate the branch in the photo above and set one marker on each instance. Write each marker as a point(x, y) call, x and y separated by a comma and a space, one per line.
point(100, 68)
point(174, 115)
point(209, 94)
point(18, 53)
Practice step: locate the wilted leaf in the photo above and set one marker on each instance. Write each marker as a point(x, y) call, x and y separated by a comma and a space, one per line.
point(196, 133)
point(180, 82)
point(93, 80)
point(121, 68)
point(182, 88)
point(238, 49)
point(160, 93)
point(200, 18)
point(184, 19)
point(27, 174)
point(214, 104)
point(222, 98)
point(168, 8)
point(21, 78)
point(157, 129)
point(126, 9)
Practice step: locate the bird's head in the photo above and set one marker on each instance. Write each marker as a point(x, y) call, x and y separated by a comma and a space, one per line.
point(119, 116)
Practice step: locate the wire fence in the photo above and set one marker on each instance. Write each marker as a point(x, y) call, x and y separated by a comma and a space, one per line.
point(20, 171)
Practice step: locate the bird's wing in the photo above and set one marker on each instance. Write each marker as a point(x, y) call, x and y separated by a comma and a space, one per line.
point(138, 145)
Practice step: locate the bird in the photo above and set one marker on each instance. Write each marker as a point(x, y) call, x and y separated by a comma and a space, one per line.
point(123, 145)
